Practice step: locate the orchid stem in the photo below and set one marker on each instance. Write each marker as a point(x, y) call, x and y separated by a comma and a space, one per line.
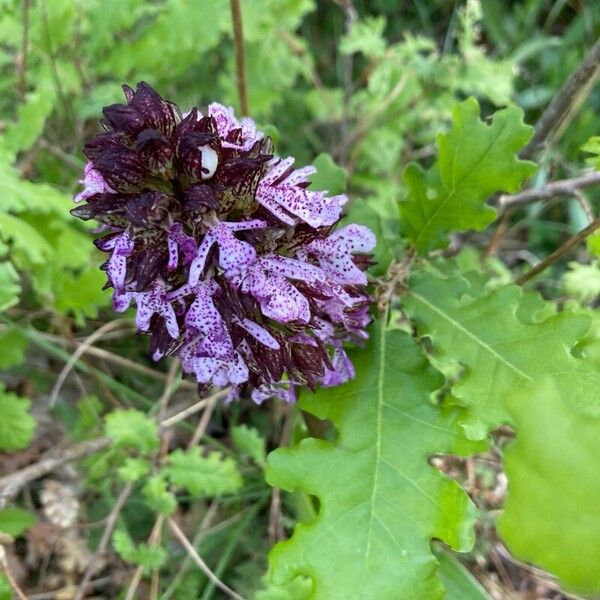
point(240, 63)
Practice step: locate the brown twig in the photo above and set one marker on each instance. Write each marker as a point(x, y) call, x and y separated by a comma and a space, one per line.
point(7, 572)
point(560, 251)
point(78, 353)
point(562, 103)
point(204, 421)
point(104, 540)
point(499, 233)
point(199, 562)
point(563, 187)
point(240, 66)
point(49, 462)
point(275, 529)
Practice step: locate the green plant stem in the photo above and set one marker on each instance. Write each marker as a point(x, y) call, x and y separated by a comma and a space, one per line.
point(240, 62)
point(209, 590)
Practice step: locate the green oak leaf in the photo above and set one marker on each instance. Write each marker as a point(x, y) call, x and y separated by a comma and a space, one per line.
point(475, 160)
point(551, 515)
point(381, 503)
point(488, 335)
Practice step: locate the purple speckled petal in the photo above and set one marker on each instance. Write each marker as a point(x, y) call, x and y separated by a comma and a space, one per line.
point(278, 298)
point(300, 175)
point(268, 199)
point(284, 392)
point(315, 208)
point(235, 256)
point(226, 122)
point(292, 268)
point(155, 302)
point(202, 315)
point(173, 254)
point(335, 253)
point(117, 264)
point(260, 333)
point(342, 371)
point(121, 301)
point(185, 243)
point(93, 183)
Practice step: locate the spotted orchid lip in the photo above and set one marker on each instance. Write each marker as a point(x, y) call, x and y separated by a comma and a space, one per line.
point(233, 263)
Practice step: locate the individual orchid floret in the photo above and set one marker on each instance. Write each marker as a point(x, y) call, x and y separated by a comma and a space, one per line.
point(233, 262)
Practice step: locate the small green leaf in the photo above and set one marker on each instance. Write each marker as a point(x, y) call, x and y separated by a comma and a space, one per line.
point(13, 343)
point(16, 425)
point(158, 496)
point(592, 146)
point(248, 441)
point(132, 429)
point(474, 161)
point(329, 176)
point(9, 286)
point(551, 515)
point(15, 521)
point(582, 282)
point(149, 557)
point(365, 36)
point(202, 476)
point(133, 469)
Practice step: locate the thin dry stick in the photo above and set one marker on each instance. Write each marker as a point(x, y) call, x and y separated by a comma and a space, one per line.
point(168, 391)
point(49, 462)
point(563, 249)
point(563, 187)
point(77, 355)
point(101, 549)
point(199, 562)
point(204, 525)
point(116, 359)
point(13, 583)
point(563, 101)
point(240, 66)
point(204, 421)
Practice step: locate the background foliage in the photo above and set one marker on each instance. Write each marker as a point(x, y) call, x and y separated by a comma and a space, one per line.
point(418, 110)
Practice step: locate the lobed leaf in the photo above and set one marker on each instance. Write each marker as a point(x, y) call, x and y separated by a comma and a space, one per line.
point(474, 161)
point(133, 429)
point(551, 515)
point(381, 503)
point(248, 441)
point(498, 347)
point(202, 476)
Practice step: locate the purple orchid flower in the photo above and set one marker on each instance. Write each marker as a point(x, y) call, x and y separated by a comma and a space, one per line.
point(232, 260)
